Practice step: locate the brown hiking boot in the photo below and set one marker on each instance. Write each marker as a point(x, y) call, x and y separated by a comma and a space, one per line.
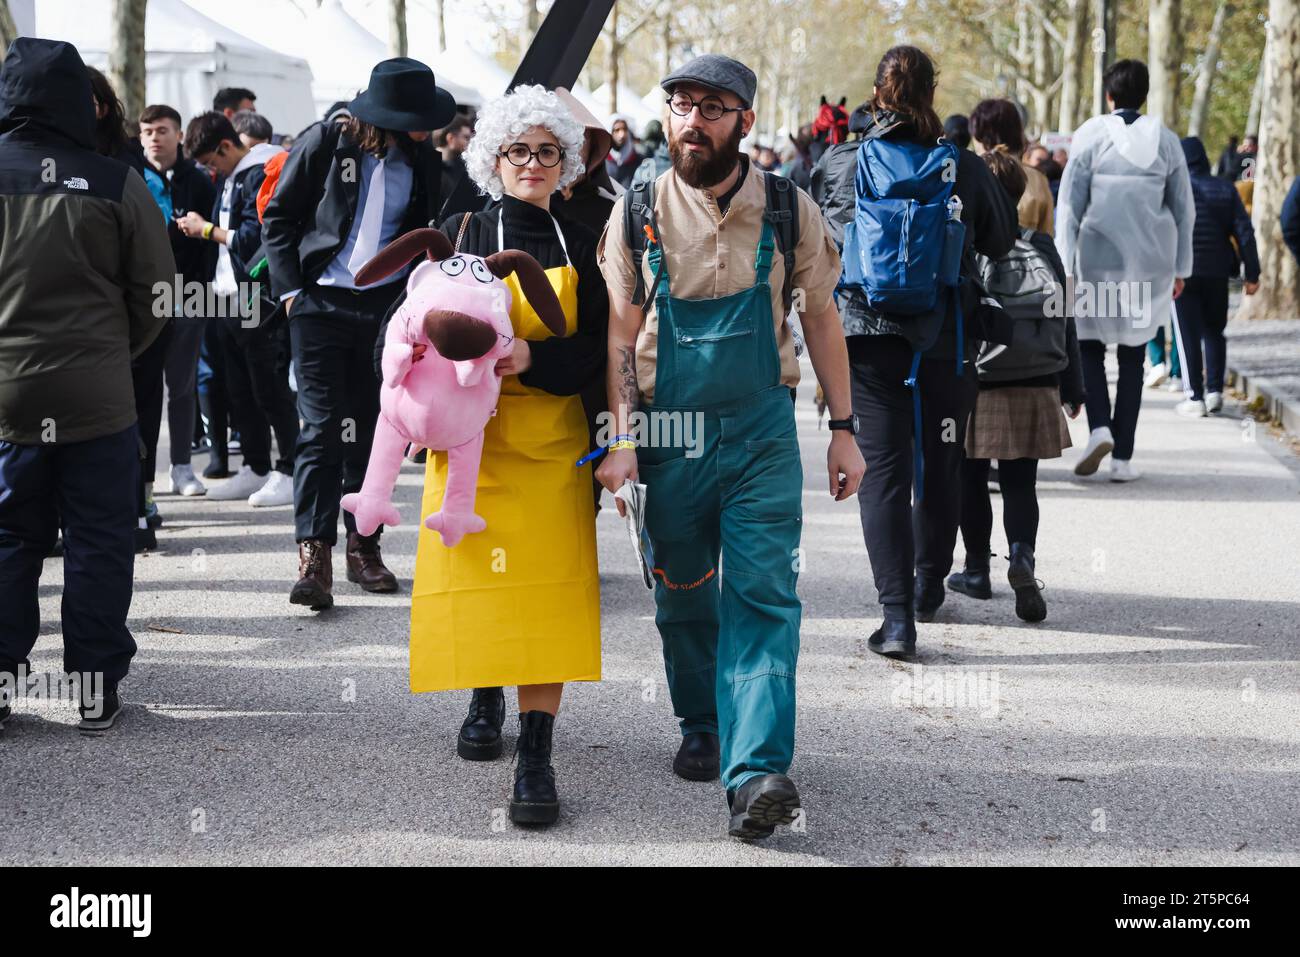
point(366, 565)
point(315, 576)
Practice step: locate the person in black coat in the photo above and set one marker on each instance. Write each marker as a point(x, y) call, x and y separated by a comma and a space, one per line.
point(179, 185)
point(1202, 309)
point(1291, 219)
point(324, 222)
point(911, 547)
point(249, 344)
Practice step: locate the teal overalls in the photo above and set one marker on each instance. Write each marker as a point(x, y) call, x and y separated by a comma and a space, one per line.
point(731, 631)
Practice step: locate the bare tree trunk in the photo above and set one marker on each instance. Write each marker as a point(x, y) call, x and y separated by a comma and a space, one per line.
point(1277, 164)
point(1040, 115)
point(8, 29)
point(1256, 101)
point(666, 38)
point(1165, 59)
point(1072, 61)
point(1205, 75)
point(126, 55)
point(397, 28)
point(532, 20)
point(1021, 50)
point(440, 25)
point(613, 49)
point(1103, 50)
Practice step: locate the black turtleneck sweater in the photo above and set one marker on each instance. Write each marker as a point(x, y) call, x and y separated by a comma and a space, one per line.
point(561, 366)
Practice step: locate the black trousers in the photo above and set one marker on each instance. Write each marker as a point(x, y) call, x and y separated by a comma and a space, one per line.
point(903, 540)
point(89, 488)
point(258, 394)
point(333, 333)
point(1018, 481)
point(1202, 316)
point(212, 392)
point(1128, 392)
point(147, 384)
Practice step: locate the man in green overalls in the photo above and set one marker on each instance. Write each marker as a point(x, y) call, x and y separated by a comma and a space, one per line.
point(711, 348)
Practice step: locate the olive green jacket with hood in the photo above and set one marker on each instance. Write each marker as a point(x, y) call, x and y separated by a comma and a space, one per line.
point(82, 250)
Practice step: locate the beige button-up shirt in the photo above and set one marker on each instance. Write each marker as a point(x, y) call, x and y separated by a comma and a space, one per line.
point(710, 256)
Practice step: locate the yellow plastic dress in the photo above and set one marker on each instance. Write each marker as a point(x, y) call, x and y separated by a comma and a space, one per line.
point(518, 603)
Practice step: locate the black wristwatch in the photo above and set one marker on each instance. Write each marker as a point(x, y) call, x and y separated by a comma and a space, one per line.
point(849, 425)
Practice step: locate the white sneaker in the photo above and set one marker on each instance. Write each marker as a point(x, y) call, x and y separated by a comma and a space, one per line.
point(1100, 442)
point(1122, 470)
point(1175, 385)
point(277, 490)
point(1191, 408)
point(1213, 402)
point(185, 482)
point(241, 485)
point(1156, 375)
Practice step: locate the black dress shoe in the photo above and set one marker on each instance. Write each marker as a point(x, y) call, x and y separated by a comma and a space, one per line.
point(1030, 605)
point(895, 638)
point(100, 713)
point(535, 800)
point(760, 804)
point(972, 582)
point(698, 757)
point(480, 734)
point(929, 597)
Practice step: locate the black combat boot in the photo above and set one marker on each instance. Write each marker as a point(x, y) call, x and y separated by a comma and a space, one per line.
point(535, 800)
point(480, 734)
point(1030, 605)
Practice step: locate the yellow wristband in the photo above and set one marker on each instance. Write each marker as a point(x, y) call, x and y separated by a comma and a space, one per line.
point(207, 231)
point(622, 444)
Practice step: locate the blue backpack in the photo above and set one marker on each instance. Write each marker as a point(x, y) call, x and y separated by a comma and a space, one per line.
point(903, 249)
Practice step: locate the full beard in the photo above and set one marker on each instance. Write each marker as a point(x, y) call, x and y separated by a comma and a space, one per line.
point(709, 167)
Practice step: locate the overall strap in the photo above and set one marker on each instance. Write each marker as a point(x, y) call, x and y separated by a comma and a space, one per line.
point(763, 255)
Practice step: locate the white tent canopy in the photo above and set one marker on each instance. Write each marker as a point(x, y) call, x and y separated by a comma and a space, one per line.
point(630, 105)
point(188, 57)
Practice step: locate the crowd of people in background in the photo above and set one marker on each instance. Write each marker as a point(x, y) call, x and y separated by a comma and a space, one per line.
point(279, 355)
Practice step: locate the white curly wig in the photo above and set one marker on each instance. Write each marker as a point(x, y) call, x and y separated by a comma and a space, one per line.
point(506, 118)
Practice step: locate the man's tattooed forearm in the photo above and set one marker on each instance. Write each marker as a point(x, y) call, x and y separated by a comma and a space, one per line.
point(628, 394)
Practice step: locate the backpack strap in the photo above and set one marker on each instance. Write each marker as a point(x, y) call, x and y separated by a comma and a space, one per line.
point(782, 211)
point(639, 212)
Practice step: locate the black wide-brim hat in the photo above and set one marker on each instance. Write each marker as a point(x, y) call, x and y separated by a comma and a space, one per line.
point(403, 97)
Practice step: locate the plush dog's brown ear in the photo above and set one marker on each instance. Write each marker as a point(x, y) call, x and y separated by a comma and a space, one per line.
point(401, 251)
point(532, 280)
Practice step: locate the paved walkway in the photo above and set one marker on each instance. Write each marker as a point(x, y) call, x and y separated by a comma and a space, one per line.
point(1152, 719)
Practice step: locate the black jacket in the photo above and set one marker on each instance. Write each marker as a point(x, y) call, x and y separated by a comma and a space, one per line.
point(561, 366)
point(82, 252)
point(309, 216)
point(191, 190)
point(1220, 217)
point(991, 228)
point(1291, 219)
point(459, 194)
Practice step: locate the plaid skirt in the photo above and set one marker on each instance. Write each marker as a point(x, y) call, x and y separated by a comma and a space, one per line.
point(1017, 423)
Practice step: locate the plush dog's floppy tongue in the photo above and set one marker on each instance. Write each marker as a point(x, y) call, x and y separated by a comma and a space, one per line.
point(457, 336)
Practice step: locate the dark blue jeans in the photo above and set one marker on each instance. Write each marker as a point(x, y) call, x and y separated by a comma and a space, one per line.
point(90, 489)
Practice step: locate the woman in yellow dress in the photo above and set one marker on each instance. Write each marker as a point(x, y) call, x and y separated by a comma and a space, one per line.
point(519, 603)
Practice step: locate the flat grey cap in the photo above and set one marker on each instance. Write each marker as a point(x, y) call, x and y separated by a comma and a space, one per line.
point(720, 73)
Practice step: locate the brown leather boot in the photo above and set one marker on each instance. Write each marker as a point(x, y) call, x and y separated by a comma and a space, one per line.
point(366, 565)
point(315, 575)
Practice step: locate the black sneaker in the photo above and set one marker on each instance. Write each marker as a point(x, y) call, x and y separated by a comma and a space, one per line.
point(760, 804)
point(145, 540)
point(101, 714)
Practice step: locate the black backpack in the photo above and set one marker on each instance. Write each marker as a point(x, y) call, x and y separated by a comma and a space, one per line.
point(782, 211)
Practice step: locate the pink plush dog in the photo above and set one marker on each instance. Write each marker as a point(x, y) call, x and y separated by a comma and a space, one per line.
point(459, 308)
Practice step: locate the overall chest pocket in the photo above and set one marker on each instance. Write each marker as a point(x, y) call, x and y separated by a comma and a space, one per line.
point(716, 358)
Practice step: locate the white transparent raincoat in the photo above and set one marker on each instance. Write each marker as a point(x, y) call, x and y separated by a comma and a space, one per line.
point(1124, 226)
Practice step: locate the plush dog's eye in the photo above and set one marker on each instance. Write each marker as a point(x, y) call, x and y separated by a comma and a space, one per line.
point(453, 267)
point(480, 270)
